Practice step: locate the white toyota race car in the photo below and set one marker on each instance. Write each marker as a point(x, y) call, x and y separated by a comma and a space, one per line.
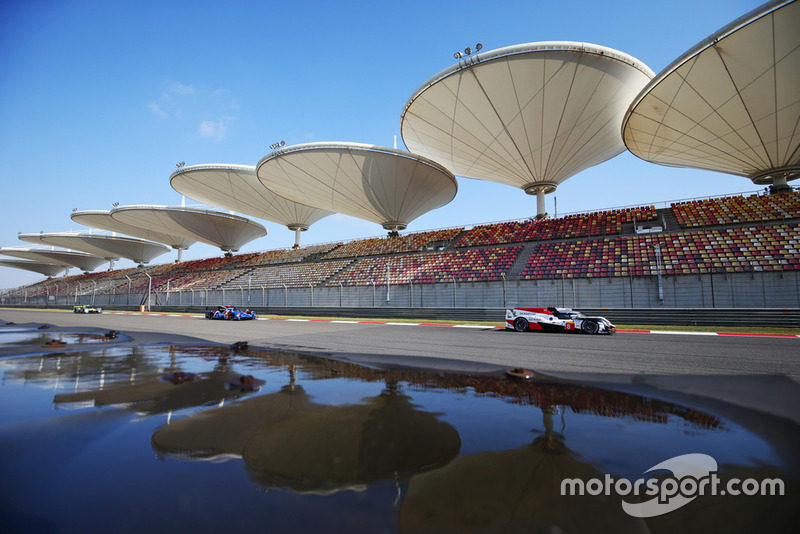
point(556, 320)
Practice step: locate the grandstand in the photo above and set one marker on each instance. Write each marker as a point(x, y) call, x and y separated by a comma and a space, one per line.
point(738, 245)
point(716, 237)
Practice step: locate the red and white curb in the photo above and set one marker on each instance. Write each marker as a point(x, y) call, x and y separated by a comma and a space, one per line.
point(479, 327)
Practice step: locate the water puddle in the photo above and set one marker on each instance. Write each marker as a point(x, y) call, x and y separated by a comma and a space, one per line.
point(206, 439)
point(42, 337)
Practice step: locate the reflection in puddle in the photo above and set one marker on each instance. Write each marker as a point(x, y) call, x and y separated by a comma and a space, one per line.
point(34, 337)
point(334, 446)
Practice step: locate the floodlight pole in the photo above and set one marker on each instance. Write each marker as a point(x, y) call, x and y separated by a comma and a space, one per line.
point(388, 286)
point(657, 246)
point(149, 289)
point(503, 276)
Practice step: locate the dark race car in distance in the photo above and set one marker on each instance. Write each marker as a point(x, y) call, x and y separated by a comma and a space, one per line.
point(86, 308)
point(230, 313)
point(556, 320)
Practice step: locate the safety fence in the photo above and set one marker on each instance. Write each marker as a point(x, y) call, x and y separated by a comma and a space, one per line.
point(731, 290)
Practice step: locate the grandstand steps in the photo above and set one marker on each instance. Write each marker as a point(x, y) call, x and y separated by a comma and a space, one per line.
point(454, 242)
point(522, 260)
point(315, 258)
point(669, 220)
point(665, 218)
point(237, 281)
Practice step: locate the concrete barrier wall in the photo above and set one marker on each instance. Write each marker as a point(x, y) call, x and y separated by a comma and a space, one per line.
point(735, 290)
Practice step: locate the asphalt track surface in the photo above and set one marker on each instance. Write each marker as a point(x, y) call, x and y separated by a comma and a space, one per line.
point(447, 347)
point(751, 375)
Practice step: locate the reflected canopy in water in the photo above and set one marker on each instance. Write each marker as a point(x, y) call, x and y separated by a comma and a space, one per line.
point(346, 447)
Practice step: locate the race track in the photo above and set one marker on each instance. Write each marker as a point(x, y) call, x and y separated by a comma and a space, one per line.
point(760, 374)
point(441, 347)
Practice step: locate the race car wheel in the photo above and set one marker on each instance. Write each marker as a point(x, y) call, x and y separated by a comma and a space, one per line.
point(591, 327)
point(520, 324)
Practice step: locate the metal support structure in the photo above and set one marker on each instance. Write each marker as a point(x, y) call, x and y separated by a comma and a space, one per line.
point(149, 290)
point(657, 246)
point(388, 286)
point(503, 276)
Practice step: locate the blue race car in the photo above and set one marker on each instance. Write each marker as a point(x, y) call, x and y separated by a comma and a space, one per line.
point(230, 313)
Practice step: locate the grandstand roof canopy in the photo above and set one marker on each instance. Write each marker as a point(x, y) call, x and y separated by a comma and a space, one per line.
point(529, 115)
point(65, 258)
point(382, 185)
point(228, 232)
point(730, 104)
point(103, 220)
point(108, 247)
point(46, 269)
point(237, 188)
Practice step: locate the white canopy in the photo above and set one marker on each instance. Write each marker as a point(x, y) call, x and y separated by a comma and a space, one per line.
point(110, 248)
point(228, 232)
point(103, 220)
point(529, 115)
point(730, 104)
point(46, 269)
point(383, 185)
point(64, 258)
point(237, 188)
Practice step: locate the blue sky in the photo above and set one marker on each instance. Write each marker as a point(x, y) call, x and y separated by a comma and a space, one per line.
point(100, 99)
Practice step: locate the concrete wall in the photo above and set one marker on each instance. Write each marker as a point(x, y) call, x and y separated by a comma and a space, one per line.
point(735, 290)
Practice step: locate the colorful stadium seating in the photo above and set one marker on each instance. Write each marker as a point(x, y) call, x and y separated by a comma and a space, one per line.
point(738, 209)
point(571, 226)
point(477, 265)
point(392, 245)
point(772, 248)
point(749, 234)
